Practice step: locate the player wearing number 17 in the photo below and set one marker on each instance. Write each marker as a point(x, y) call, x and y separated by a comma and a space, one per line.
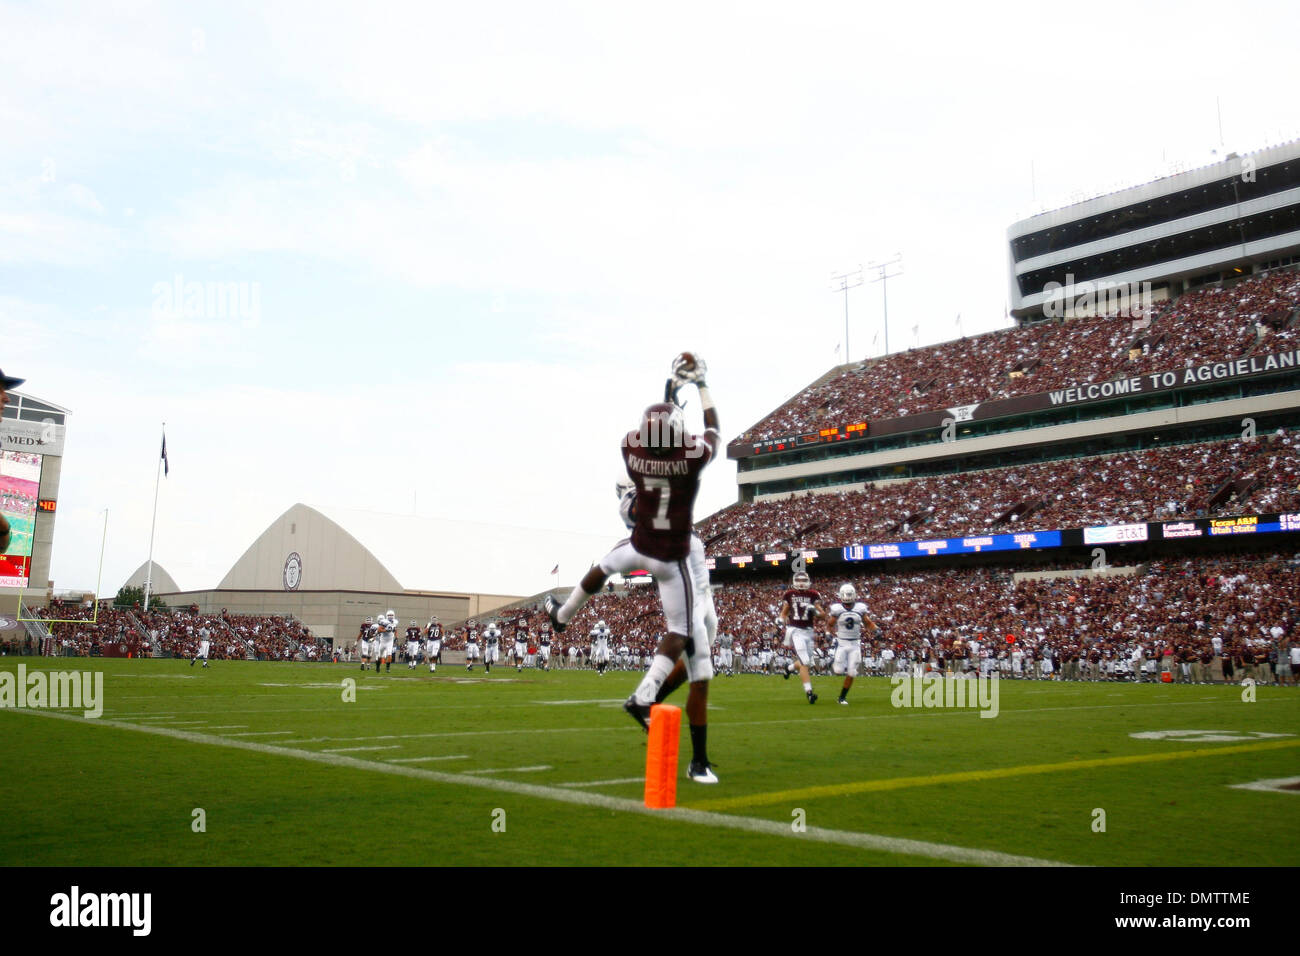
point(664, 462)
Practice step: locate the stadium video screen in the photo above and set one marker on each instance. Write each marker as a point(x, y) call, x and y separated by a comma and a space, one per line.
point(20, 480)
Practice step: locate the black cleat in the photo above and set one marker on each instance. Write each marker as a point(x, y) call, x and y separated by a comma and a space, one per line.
point(812, 698)
point(638, 712)
point(552, 611)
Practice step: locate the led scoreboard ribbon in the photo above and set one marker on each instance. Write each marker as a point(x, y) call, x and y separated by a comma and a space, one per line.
point(1122, 534)
point(975, 545)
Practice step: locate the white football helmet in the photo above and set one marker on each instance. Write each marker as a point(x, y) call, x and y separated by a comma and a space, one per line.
point(622, 487)
point(848, 593)
point(600, 625)
point(390, 615)
point(801, 580)
point(627, 507)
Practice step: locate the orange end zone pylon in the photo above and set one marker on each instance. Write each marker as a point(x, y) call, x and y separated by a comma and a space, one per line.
point(661, 757)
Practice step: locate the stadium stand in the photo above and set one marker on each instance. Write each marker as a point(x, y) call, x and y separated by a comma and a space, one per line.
point(1196, 480)
point(1204, 325)
point(176, 633)
point(966, 620)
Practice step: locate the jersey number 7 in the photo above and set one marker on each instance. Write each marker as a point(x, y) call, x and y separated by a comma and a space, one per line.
point(662, 486)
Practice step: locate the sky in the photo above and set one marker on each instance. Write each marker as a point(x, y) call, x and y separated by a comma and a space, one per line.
point(465, 241)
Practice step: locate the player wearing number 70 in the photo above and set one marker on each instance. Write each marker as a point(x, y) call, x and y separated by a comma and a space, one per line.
point(664, 462)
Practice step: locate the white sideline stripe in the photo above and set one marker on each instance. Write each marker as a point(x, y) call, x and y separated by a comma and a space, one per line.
point(251, 733)
point(182, 723)
point(1277, 785)
point(603, 700)
point(512, 769)
point(143, 717)
point(903, 714)
point(603, 783)
point(865, 841)
point(344, 750)
point(425, 759)
point(228, 727)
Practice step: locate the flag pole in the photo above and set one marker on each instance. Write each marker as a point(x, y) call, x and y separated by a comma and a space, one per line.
point(148, 580)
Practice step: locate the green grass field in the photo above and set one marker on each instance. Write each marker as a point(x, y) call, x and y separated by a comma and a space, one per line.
point(418, 769)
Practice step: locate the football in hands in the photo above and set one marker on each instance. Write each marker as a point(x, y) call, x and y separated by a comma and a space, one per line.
point(689, 367)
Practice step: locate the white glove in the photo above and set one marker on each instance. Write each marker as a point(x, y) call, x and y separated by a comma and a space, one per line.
point(694, 374)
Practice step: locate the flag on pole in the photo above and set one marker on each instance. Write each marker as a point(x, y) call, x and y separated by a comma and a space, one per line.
point(166, 467)
point(555, 570)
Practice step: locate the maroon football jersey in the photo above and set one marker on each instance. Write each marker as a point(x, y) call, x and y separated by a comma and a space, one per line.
point(666, 486)
point(801, 602)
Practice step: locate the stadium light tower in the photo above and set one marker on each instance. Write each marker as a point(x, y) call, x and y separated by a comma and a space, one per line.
point(846, 281)
point(883, 278)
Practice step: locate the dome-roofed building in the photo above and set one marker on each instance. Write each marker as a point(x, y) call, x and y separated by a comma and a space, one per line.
point(162, 581)
point(332, 568)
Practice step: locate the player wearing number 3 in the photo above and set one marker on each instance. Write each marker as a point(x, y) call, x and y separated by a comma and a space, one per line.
point(850, 617)
point(664, 462)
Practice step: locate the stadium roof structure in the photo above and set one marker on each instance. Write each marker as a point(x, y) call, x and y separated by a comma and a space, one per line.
point(27, 407)
point(353, 550)
point(163, 583)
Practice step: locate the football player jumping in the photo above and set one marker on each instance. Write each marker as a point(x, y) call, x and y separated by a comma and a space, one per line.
point(664, 462)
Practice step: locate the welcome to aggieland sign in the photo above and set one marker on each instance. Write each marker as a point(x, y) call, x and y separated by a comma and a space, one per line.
point(1146, 384)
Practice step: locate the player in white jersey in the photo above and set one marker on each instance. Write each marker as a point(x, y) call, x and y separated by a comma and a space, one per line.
point(386, 628)
point(726, 659)
point(850, 617)
point(600, 636)
point(491, 646)
point(205, 642)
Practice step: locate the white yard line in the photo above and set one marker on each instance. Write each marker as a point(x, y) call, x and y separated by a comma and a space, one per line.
point(346, 750)
point(603, 783)
point(147, 717)
point(603, 700)
point(252, 733)
point(865, 841)
point(228, 727)
point(1278, 785)
point(425, 759)
point(512, 769)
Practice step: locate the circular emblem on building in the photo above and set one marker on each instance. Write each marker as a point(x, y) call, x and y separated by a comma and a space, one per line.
point(292, 571)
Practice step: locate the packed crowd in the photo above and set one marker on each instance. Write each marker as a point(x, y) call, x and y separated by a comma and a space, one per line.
point(176, 633)
point(1155, 484)
point(1203, 620)
point(81, 633)
point(1202, 326)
